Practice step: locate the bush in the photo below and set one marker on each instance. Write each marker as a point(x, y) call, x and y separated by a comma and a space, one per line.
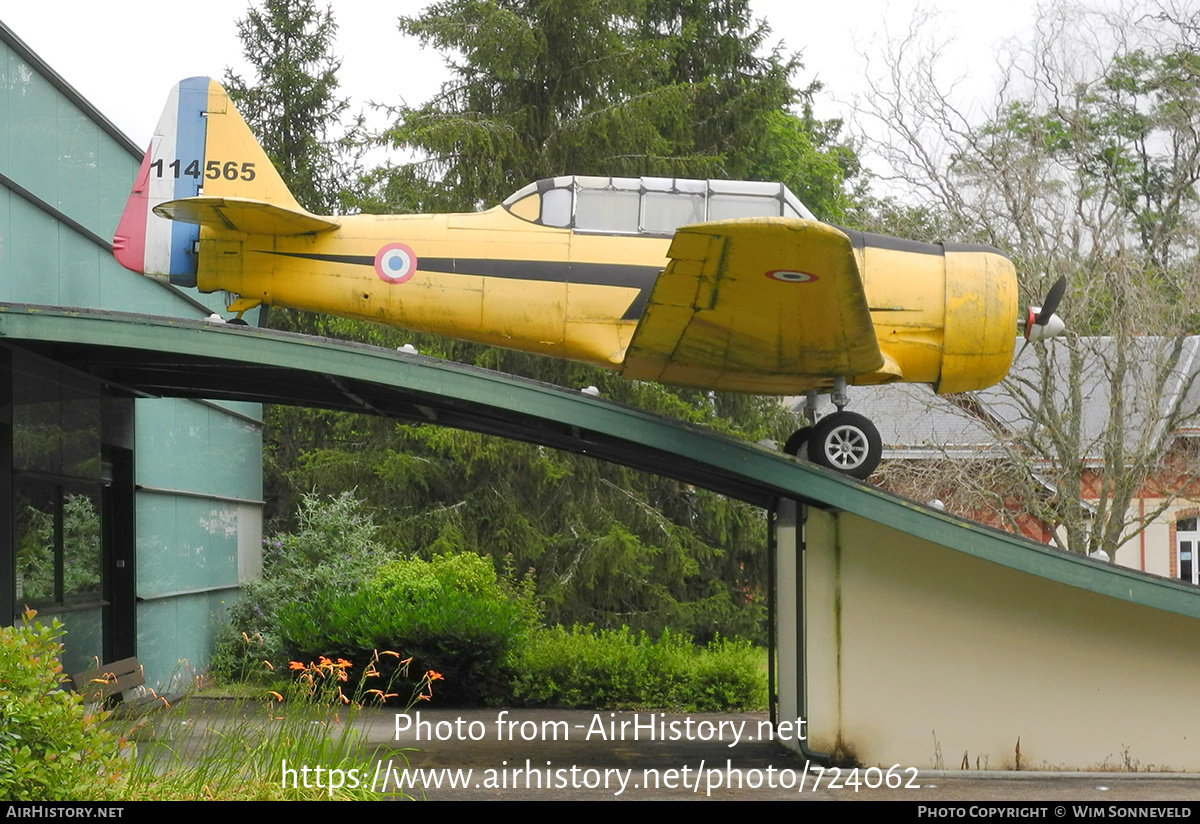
point(335, 548)
point(617, 669)
point(51, 747)
point(452, 615)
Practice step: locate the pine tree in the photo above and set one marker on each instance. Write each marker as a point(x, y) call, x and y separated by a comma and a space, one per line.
point(592, 87)
point(291, 102)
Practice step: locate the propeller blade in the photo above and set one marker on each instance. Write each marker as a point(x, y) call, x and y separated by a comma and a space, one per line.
point(1053, 298)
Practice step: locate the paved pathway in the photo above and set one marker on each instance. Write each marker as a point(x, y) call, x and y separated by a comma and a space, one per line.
point(579, 754)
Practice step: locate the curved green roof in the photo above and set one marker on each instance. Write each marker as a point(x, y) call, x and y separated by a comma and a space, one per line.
point(161, 356)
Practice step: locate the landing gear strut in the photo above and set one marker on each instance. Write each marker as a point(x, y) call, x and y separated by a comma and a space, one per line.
point(842, 441)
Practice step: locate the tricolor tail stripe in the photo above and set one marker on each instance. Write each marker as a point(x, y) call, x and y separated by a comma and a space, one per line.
point(189, 134)
point(144, 241)
point(201, 147)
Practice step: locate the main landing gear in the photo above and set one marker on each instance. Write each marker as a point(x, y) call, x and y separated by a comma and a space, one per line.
point(843, 441)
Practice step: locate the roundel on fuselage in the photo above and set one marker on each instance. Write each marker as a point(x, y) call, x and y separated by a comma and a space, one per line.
point(395, 263)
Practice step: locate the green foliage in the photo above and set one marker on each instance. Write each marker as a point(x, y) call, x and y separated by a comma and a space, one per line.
point(335, 546)
point(669, 87)
point(36, 548)
point(681, 88)
point(452, 615)
point(611, 546)
point(52, 748)
point(618, 669)
point(237, 750)
point(291, 103)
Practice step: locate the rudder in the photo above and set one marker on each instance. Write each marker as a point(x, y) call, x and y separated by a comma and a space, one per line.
point(200, 146)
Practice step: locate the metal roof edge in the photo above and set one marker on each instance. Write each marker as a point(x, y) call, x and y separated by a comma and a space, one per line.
point(769, 473)
point(10, 38)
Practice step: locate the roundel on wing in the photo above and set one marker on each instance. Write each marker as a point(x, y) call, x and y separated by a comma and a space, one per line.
point(791, 276)
point(395, 263)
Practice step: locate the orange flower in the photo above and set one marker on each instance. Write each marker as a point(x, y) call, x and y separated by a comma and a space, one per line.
point(268, 665)
point(342, 662)
point(389, 652)
point(423, 697)
point(296, 665)
point(324, 662)
point(276, 696)
point(434, 676)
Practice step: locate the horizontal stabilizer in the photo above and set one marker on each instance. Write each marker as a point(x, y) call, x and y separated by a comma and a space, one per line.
point(236, 214)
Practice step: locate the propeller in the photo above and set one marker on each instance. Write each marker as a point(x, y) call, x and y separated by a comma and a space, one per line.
point(1040, 322)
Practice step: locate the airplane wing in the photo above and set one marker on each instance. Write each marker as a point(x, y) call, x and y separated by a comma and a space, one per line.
point(772, 305)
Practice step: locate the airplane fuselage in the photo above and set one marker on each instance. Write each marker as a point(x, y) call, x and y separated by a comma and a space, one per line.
point(943, 314)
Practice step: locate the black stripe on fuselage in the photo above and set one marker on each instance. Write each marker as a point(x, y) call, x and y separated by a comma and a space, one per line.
point(860, 240)
point(629, 276)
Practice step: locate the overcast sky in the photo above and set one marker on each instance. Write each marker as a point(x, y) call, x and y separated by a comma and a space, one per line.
point(124, 55)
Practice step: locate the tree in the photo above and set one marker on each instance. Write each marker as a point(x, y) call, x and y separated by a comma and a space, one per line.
point(543, 88)
point(291, 102)
point(1086, 166)
point(636, 87)
point(609, 546)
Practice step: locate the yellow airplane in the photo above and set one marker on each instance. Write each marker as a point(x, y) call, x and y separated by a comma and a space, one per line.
point(716, 284)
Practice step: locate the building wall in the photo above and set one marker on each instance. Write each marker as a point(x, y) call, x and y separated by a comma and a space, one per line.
point(921, 655)
point(65, 174)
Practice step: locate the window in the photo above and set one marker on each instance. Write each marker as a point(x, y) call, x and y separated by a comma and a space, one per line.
point(648, 205)
point(607, 210)
point(58, 542)
point(664, 212)
point(1187, 545)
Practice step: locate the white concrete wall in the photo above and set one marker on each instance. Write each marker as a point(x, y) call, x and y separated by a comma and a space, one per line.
point(918, 654)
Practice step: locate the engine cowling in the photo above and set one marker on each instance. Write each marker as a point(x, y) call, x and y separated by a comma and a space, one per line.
point(981, 315)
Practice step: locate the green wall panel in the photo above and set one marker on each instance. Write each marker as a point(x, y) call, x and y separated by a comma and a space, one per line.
point(32, 123)
point(32, 252)
point(5, 237)
point(51, 147)
point(76, 167)
point(209, 451)
point(185, 543)
point(56, 151)
point(175, 636)
point(79, 270)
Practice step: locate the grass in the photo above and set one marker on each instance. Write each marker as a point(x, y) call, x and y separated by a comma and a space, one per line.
point(205, 749)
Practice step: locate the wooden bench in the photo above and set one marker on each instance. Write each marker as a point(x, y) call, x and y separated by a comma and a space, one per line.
point(103, 683)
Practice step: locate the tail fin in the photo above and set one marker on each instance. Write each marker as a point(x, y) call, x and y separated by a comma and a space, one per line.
point(201, 147)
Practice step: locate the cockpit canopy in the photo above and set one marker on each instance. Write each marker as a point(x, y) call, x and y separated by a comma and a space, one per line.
point(648, 205)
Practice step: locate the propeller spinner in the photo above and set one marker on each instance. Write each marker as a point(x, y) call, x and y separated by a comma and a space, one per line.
point(1040, 321)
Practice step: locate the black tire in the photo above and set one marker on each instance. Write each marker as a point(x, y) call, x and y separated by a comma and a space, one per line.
point(237, 322)
point(795, 444)
point(846, 442)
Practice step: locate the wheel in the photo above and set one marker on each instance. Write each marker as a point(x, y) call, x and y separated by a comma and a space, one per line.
point(846, 442)
point(237, 322)
point(795, 444)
